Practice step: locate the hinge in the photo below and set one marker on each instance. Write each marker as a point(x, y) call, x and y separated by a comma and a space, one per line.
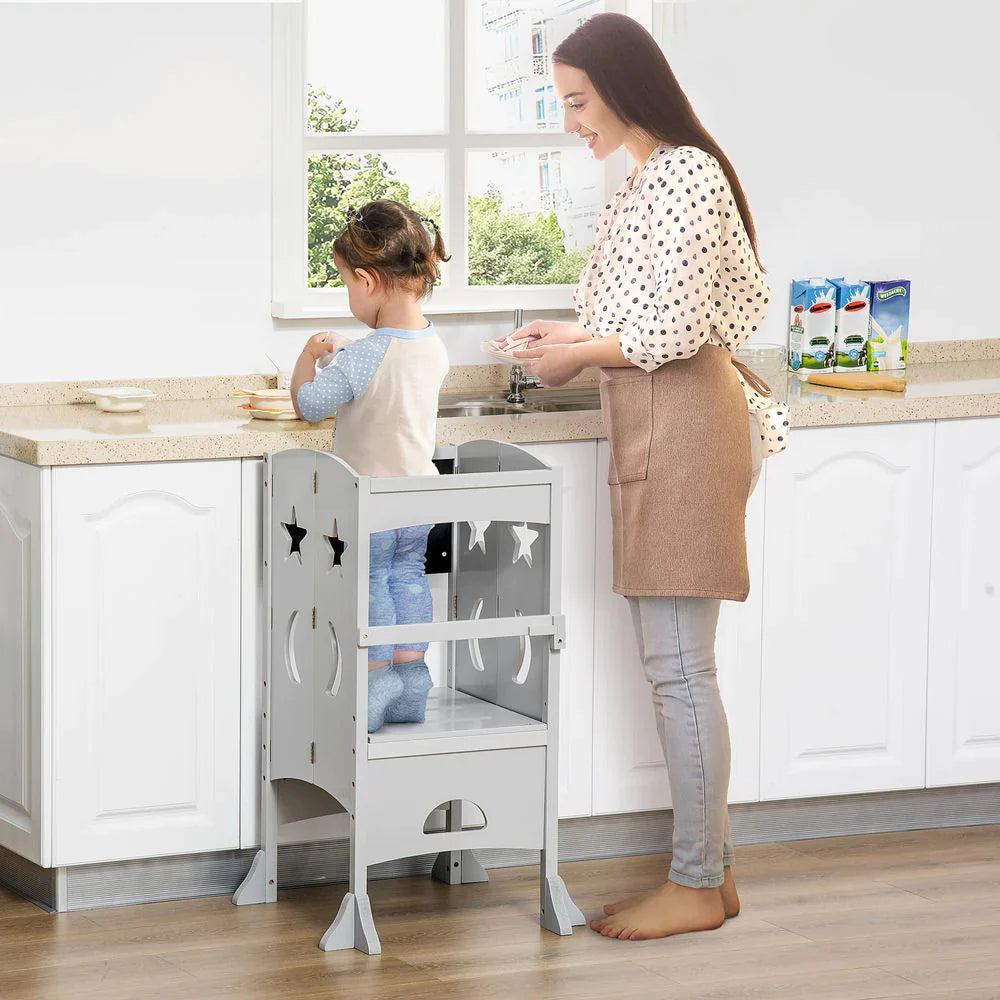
point(315, 482)
point(314, 617)
point(454, 607)
point(312, 753)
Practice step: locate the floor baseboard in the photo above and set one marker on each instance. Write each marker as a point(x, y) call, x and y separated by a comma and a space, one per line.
point(220, 872)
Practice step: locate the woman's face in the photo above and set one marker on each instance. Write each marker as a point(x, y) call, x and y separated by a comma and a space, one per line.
point(585, 113)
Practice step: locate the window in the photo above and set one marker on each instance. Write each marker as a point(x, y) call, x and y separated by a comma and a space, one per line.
point(445, 105)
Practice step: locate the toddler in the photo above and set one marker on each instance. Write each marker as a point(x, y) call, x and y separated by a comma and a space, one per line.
point(384, 389)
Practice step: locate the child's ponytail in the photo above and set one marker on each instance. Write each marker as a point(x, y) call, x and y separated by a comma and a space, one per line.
point(393, 242)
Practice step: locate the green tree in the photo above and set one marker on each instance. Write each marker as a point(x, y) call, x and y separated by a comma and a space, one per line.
point(338, 181)
point(505, 248)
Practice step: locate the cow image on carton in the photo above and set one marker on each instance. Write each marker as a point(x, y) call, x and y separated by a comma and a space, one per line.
point(812, 325)
point(853, 314)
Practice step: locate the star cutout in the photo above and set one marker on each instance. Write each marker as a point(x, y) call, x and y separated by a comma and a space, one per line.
point(478, 534)
point(295, 534)
point(336, 546)
point(525, 537)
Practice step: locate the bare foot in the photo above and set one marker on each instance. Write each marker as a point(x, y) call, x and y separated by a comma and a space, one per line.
point(671, 909)
point(730, 898)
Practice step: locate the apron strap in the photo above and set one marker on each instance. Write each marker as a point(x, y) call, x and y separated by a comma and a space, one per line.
point(753, 378)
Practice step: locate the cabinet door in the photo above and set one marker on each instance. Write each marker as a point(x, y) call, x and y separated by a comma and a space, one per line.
point(146, 659)
point(629, 771)
point(963, 717)
point(847, 542)
point(23, 511)
point(577, 459)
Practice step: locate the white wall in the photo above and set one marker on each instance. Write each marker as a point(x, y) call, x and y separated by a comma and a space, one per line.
point(135, 170)
point(865, 133)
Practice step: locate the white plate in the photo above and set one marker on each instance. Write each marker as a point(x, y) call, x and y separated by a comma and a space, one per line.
point(270, 414)
point(120, 398)
point(495, 351)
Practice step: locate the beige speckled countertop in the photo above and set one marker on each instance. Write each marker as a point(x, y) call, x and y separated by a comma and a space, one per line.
point(53, 431)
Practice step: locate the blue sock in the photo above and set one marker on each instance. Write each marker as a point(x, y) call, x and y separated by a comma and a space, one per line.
point(411, 704)
point(384, 687)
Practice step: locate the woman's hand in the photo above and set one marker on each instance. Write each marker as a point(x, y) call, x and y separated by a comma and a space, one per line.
point(552, 364)
point(545, 332)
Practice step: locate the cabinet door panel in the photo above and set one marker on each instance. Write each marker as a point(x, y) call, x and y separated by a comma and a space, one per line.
point(146, 659)
point(963, 718)
point(845, 611)
point(577, 459)
point(21, 676)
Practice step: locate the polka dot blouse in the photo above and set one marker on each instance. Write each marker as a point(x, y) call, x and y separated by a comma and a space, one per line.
point(672, 267)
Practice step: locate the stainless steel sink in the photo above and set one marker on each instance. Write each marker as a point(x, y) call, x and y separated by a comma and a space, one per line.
point(563, 400)
point(478, 408)
point(494, 404)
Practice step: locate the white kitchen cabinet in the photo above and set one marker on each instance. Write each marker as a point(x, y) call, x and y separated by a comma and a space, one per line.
point(963, 711)
point(578, 460)
point(847, 543)
point(146, 659)
point(23, 780)
point(253, 632)
point(629, 770)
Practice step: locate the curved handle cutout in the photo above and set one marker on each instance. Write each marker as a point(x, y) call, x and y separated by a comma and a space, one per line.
point(474, 651)
point(525, 665)
point(336, 672)
point(291, 667)
point(472, 816)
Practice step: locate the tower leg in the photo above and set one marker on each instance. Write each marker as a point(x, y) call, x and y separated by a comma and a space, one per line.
point(354, 926)
point(559, 913)
point(457, 867)
point(261, 883)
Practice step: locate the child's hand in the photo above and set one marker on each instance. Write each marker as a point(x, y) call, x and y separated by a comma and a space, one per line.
point(317, 345)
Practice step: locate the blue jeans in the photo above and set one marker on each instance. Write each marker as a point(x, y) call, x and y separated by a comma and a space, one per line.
point(676, 638)
point(398, 592)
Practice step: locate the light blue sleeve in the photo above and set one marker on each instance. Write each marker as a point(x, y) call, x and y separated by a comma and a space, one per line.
point(343, 379)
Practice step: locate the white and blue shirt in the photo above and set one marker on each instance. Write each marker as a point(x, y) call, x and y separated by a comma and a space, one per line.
point(384, 390)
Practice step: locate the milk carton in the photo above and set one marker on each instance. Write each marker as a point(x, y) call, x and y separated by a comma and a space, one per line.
point(812, 325)
point(853, 314)
point(890, 325)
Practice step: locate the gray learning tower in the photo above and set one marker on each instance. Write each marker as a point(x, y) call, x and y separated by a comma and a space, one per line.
point(491, 734)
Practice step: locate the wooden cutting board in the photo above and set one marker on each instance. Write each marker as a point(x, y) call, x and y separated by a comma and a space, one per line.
point(858, 380)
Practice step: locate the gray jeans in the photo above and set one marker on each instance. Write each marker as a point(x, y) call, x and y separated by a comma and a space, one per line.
point(676, 639)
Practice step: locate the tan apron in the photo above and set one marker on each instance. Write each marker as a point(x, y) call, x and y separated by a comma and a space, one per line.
point(679, 476)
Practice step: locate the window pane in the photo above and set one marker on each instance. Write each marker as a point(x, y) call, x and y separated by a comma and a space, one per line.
point(508, 61)
point(531, 215)
point(382, 63)
point(338, 181)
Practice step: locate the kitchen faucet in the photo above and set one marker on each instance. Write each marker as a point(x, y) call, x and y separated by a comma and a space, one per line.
point(518, 380)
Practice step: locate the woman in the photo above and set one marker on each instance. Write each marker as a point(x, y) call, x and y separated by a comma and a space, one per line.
point(673, 287)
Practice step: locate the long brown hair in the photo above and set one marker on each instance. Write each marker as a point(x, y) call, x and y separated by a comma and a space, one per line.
point(392, 241)
point(631, 74)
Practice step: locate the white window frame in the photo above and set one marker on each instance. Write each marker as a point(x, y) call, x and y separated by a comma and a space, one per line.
point(291, 298)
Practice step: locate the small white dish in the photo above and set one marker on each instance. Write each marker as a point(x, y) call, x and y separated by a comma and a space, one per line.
point(120, 398)
point(266, 399)
point(500, 349)
point(270, 414)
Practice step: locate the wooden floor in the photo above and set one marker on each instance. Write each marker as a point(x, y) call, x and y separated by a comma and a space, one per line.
point(913, 914)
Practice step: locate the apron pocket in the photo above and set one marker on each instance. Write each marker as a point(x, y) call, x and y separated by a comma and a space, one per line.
point(628, 418)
